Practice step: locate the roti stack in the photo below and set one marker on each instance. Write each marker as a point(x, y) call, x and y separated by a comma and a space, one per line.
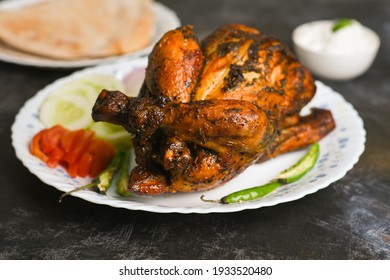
point(75, 29)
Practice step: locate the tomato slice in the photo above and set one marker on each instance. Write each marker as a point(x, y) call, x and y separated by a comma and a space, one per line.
point(77, 151)
point(35, 146)
point(55, 157)
point(102, 153)
point(84, 167)
point(51, 138)
point(79, 146)
point(67, 140)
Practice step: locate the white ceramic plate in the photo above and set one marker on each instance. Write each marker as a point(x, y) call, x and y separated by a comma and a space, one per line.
point(340, 150)
point(166, 20)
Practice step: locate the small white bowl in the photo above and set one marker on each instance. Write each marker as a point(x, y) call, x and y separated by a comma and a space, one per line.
point(336, 66)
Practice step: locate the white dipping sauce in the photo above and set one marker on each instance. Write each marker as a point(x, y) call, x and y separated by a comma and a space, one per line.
point(318, 37)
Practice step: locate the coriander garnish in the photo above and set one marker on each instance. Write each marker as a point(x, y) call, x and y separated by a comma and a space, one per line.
point(341, 23)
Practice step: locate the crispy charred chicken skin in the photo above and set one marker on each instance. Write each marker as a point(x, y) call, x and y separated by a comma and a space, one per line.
point(200, 143)
point(208, 110)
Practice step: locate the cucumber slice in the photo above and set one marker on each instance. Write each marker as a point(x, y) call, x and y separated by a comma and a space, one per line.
point(101, 81)
point(77, 88)
point(71, 106)
point(112, 133)
point(71, 111)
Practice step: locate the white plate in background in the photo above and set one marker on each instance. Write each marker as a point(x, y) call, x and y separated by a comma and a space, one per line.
point(166, 20)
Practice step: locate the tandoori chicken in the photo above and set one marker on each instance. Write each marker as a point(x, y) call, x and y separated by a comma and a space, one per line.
point(207, 110)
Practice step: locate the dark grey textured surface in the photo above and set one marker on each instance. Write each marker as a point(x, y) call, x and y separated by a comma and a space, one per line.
point(348, 220)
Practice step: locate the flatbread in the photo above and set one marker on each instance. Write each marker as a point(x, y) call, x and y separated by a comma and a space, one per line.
point(74, 29)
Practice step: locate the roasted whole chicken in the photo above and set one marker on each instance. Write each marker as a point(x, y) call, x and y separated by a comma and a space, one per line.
point(208, 110)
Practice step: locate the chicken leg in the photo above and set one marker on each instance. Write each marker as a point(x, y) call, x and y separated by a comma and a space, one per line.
point(222, 137)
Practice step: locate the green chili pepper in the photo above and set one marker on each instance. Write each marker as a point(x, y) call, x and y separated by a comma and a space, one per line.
point(292, 174)
point(246, 194)
point(341, 23)
point(102, 182)
point(304, 165)
point(123, 176)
